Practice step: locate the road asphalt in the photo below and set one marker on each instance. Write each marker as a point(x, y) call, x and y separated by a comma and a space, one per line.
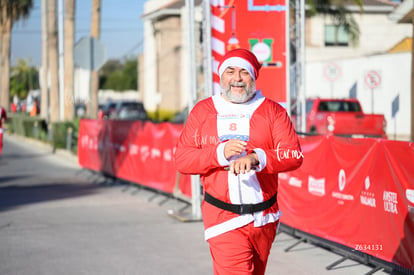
point(57, 218)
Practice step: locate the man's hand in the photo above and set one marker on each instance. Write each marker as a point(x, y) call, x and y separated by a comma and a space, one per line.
point(244, 164)
point(234, 147)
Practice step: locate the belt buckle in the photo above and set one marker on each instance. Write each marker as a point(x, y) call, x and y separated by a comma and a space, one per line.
point(246, 209)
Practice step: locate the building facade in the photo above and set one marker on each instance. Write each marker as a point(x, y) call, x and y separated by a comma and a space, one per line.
point(165, 74)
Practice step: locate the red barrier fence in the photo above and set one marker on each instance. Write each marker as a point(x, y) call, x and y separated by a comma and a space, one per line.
point(356, 192)
point(137, 151)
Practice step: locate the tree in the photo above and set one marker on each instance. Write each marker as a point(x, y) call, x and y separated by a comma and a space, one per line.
point(69, 66)
point(107, 69)
point(118, 76)
point(130, 72)
point(337, 11)
point(10, 12)
point(53, 61)
point(95, 33)
point(24, 78)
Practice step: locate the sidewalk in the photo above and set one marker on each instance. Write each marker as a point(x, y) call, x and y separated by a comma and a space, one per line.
point(61, 153)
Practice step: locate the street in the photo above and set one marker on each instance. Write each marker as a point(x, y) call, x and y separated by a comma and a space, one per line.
point(56, 218)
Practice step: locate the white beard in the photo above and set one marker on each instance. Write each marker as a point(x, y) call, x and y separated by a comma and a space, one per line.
point(238, 98)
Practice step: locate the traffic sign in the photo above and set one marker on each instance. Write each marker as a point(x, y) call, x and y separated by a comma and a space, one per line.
point(372, 79)
point(332, 72)
point(395, 106)
point(89, 54)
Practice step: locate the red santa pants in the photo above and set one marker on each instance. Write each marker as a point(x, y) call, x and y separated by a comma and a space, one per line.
point(243, 251)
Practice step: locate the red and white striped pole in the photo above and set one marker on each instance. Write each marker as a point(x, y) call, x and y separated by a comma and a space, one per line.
point(218, 31)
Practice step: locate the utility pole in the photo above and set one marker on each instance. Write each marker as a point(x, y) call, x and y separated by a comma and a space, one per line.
point(298, 67)
point(192, 73)
point(61, 61)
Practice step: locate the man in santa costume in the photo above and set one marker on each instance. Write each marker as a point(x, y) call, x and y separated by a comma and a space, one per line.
point(238, 141)
point(3, 118)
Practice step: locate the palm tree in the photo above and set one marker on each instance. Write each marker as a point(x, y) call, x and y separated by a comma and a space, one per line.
point(69, 66)
point(10, 12)
point(44, 98)
point(53, 61)
point(337, 10)
point(24, 78)
point(95, 33)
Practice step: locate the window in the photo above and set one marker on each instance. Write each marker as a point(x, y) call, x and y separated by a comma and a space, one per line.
point(309, 104)
point(336, 36)
point(339, 106)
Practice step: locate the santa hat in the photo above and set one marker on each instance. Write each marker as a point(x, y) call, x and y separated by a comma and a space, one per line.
point(240, 58)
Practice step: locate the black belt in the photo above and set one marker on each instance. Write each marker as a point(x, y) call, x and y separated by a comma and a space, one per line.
point(240, 208)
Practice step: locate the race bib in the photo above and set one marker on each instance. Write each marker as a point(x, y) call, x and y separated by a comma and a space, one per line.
point(233, 127)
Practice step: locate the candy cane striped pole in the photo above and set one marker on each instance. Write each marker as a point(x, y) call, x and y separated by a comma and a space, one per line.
point(218, 45)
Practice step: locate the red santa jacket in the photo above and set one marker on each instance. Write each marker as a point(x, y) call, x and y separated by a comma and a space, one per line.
point(201, 151)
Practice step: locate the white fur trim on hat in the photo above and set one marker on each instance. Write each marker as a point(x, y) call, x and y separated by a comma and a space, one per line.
point(237, 62)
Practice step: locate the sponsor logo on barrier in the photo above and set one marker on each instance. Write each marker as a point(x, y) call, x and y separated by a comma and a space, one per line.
point(295, 182)
point(283, 176)
point(390, 202)
point(341, 180)
point(145, 152)
point(89, 143)
point(367, 198)
point(316, 186)
point(341, 185)
point(133, 149)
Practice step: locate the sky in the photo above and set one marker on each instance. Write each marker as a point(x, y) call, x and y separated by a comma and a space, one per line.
point(121, 29)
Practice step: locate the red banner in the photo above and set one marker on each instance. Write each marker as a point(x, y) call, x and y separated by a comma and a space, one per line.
point(356, 192)
point(257, 25)
point(138, 151)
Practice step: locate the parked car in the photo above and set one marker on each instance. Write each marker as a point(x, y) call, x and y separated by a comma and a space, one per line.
point(343, 117)
point(180, 117)
point(107, 111)
point(129, 110)
point(80, 109)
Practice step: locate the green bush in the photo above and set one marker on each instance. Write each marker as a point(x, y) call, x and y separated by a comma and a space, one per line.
point(37, 128)
point(60, 134)
point(24, 125)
